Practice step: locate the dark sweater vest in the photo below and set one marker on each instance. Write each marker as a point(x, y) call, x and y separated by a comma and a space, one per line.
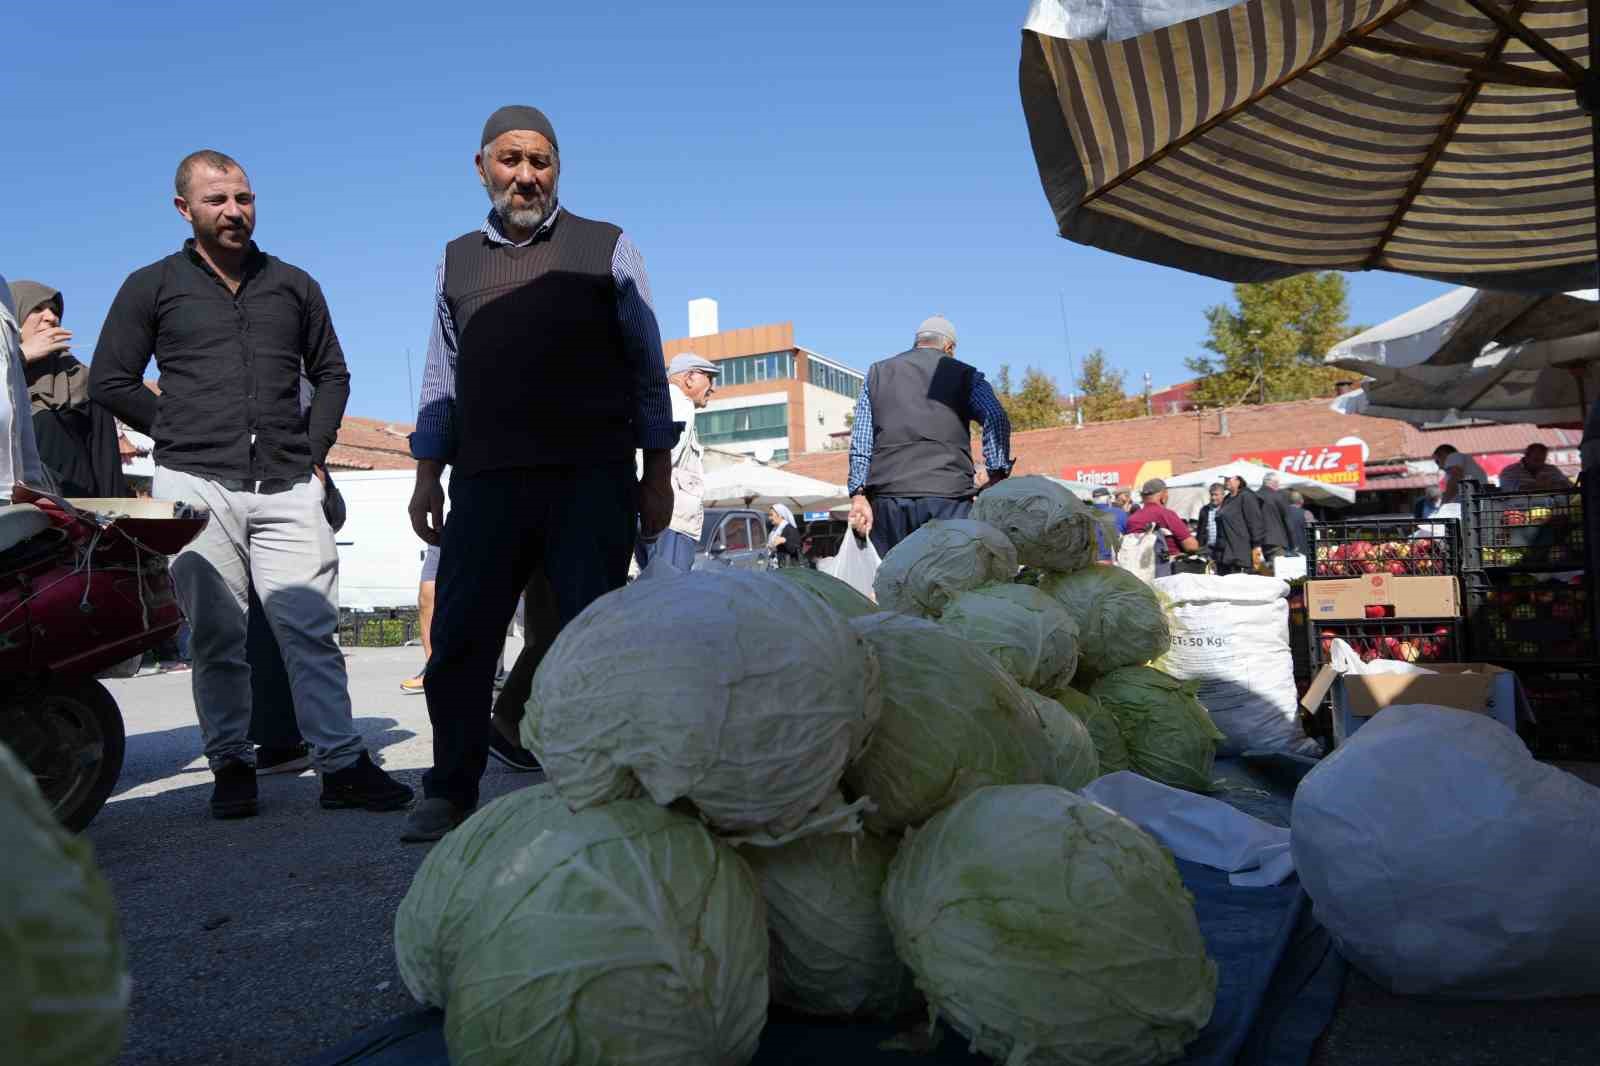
point(921, 426)
point(542, 378)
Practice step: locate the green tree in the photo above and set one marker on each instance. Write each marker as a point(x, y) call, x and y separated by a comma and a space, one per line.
point(1036, 405)
point(1101, 394)
point(1279, 331)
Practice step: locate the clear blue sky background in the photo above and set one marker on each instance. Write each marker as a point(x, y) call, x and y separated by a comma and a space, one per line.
point(851, 167)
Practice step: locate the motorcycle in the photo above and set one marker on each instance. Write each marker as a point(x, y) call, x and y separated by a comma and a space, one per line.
point(84, 586)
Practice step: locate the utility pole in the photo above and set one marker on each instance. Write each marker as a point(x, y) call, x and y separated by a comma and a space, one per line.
point(1072, 373)
point(1148, 411)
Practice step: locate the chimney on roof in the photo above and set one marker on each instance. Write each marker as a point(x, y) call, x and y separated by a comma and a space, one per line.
point(702, 317)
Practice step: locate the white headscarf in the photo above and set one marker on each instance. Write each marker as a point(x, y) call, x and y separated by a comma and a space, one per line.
point(787, 517)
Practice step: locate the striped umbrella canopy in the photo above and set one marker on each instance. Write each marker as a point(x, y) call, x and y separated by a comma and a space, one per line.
point(1448, 139)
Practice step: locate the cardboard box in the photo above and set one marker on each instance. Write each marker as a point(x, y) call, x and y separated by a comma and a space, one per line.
point(1347, 599)
point(1475, 688)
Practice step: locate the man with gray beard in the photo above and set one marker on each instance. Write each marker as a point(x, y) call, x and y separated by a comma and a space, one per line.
point(544, 375)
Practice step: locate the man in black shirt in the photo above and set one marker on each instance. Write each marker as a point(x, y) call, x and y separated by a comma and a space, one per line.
point(232, 330)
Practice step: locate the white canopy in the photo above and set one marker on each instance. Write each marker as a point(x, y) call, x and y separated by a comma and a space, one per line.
point(754, 485)
point(1187, 492)
point(1475, 355)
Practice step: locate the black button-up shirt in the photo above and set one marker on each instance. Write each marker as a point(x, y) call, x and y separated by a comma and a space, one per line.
point(230, 366)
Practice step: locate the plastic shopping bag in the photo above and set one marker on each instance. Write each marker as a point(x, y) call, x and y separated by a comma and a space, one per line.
point(1137, 555)
point(856, 564)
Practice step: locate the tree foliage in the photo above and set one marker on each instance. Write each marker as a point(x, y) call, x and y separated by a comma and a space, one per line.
point(1035, 405)
point(1101, 394)
point(1283, 328)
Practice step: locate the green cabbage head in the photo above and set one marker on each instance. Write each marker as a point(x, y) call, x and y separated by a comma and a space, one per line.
point(1074, 762)
point(450, 881)
point(1051, 528)
point(831, 949)
point(953, 722)
point(621, 935)
point(64, 980)
point(938, 562)
point(1120, 621)
point(1051, 931)
point(1169, 733)
point(830, 590)
point(741, 692)
point(1109, 746)
point(1029, 634)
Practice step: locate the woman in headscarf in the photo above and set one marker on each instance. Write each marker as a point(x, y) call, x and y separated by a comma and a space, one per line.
point(77, 438)
point(784, 540)
point(19, 456)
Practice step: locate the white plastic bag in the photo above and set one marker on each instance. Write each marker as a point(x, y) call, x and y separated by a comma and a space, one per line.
point(1231, 634)
point(1289, 567)
point(1137, 555)
point(1444, 860)
point(856, 564)
point(1344, 660)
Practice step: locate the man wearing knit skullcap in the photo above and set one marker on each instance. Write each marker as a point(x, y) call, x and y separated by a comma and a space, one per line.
point(544, 375)
point(911, 440)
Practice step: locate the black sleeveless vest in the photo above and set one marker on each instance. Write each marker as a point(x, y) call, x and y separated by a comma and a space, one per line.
point(921, 425)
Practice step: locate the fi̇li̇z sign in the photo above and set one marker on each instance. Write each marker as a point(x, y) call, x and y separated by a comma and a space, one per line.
point(1336, 464)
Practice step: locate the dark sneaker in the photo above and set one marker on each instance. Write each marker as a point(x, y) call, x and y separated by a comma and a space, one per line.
point(283, 760)
point(512, 756)
point(362, 785)
point(235, 793)
point(432, 819)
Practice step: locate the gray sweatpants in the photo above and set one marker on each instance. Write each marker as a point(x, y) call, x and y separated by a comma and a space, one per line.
point(280, 541)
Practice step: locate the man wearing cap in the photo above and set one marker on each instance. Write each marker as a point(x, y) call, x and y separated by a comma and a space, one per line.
point(1101, 499)
point(911, 441)
point(544, 375)
point(1155, 514)
point(693, 379)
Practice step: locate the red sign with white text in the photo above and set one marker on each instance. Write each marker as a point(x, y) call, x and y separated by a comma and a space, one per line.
point(1336, 464)
point(1119, 475)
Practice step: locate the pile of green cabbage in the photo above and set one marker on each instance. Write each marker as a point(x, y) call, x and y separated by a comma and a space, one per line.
point(1073, 760)
point(1120, 620)
point(1029, 634)
point(1168, 732)
point(1050, 527)
point(63, 980)
point(1109, 747)
point(924, 572)
point(833, 592)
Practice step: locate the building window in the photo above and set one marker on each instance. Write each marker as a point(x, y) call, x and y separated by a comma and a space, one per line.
point(780, 455)
point(743, 424)
point(749, 369)
point(835, 379)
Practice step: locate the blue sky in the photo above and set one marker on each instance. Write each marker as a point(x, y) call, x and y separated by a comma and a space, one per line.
point(851, 167)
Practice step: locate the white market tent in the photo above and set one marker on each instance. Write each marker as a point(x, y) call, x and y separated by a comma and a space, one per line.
point(1187, 492)
point(753, 485)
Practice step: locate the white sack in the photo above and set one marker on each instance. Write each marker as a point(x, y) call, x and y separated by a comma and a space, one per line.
point(1445, 861)
point(1231, 634)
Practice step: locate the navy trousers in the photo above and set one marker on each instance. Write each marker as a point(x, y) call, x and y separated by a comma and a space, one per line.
point(894, 518)
point(579, 523)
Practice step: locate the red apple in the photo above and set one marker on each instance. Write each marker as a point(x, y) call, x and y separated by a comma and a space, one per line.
point(1397, 568)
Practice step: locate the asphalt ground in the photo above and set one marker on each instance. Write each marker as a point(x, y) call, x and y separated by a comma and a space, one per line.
point(268, 939)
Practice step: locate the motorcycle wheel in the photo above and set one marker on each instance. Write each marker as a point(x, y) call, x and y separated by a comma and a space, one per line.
point(71, 738)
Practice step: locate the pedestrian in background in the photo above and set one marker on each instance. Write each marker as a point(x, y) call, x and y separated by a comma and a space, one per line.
point(1533, 473)
point(1124, 501)
point(1235, 551)
point(232, 330)
point(691, 381)
point(1275, 538)
point(1429, 502)
point(1207, 525)
point(427, 585)
point(1241, 496)
point(783, 538)
point(1300, 522)
point(19, 453)
point(911, 441)
point(1457, 467)
point(1100, 499)
point(1155, 514)
point(544, 375)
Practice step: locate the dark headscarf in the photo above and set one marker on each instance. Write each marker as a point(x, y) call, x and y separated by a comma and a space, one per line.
point(58, 380)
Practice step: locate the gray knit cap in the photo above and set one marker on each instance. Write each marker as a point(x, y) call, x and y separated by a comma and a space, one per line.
point(518, 117)
point(939, 325)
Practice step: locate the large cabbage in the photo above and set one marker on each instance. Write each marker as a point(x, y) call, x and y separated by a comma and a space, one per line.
point(63, 981)
point(743, 692)
point(1049, 930)
point(620, 935)
point(940, 560)
point(831, 948)
point(1120, 620)
point(1074, 762)
point(1169, 734)
point(1029, 634)
point(449, 883)
point(1109, 747)
point(1051, 528)
point(833, 592)
point(953, 721)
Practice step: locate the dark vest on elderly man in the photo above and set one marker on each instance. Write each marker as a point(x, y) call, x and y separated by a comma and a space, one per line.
point(921, 425)
point(542, 377)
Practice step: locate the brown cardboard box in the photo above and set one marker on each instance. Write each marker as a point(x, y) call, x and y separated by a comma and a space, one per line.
point(1478, 688)
point(1347, 599)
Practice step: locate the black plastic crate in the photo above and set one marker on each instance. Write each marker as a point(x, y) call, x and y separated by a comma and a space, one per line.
point(1564, 702)
point(1528, 531)
point(1514, 618)
point(1399, 546)
point(1412, 640)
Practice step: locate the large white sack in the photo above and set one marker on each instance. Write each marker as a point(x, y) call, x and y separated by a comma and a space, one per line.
point(1445, 861)
point(1231, 634)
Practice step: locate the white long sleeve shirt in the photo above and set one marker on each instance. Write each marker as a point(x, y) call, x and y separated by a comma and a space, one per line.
point(19, 453)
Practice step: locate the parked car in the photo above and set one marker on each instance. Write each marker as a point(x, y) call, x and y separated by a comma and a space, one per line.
point(735, 537)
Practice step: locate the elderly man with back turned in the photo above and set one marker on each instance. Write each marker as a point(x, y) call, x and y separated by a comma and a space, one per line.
point(544, 375)
point(1533, 473)
point(232, 330)
point(693, 379)
point(1276, 538)
point(911, 441)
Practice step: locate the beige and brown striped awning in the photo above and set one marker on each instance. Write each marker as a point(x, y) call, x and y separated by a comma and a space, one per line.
point(1276, 136)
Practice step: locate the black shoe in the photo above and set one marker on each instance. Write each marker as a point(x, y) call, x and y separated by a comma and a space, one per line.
point(431, 819)
point(235, 793)
point(283, 760)
point(363, 785)
point(511, 755)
